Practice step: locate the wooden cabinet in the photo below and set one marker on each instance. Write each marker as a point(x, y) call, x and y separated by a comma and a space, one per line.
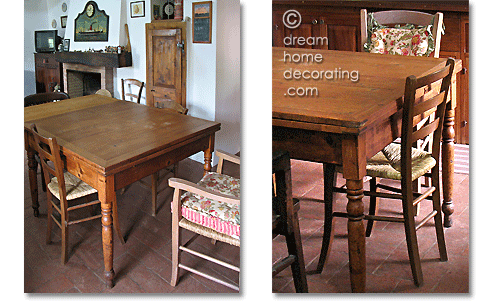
point(339, 22)
point(48, 72)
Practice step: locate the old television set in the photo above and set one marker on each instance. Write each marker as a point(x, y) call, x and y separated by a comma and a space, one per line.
point(46, 40)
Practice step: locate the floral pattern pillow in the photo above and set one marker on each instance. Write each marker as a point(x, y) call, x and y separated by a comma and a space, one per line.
point(222, 217)
point(401, 41)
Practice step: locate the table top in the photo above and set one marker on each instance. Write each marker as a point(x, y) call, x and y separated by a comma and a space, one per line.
point(342, 105)
point(109, 132)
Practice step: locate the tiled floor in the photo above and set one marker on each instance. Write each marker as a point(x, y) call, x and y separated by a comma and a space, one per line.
point(388, 269)
point(142, 265)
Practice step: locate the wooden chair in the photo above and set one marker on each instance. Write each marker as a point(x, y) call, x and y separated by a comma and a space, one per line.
point(39, 98)
point(67, 188)
point(286, 222)
point(403, 163)
point(402, 17)
point(130, 82)
point(219, 221)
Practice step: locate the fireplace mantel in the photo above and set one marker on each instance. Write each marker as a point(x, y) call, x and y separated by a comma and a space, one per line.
point(97, 59)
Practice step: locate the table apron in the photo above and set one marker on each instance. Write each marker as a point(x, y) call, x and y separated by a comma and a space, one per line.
point(146, 168)
point(308, 145)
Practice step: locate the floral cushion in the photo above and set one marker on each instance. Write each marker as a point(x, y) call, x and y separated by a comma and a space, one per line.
point(222, 217)
point(401, 41)
point(407, 39)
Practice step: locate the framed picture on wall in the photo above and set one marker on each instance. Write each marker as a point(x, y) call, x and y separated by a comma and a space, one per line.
point(91, 24)
point(137, 9)
point(202, 22)
point(64, 19)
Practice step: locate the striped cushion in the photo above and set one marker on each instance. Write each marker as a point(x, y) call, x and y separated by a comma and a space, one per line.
point(75, 188)
point(387, 163)
point(219, 216)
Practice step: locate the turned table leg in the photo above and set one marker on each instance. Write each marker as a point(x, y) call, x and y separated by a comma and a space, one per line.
point(448, 157)
point(356, 235)
point(107, 197)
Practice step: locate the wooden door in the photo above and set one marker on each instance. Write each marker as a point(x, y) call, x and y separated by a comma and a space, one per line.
point(166, 62)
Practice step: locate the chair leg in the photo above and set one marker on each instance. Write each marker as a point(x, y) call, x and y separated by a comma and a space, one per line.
point(412, 244)
point(330, 178)
point(438, 219)
point(49, 218)
point(294, 245)
point(176, 236)
point(373, 206)
point(64, 239)
point(116, 223)
point(154, 191)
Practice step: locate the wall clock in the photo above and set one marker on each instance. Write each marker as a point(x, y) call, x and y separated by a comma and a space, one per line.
point(168, 10)
point(90, 9)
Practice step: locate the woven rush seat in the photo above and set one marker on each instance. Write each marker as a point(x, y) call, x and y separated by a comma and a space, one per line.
point(219, 216)
point(75, 188)
point(387, 163)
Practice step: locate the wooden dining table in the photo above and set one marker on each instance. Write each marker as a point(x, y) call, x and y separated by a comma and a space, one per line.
point(341, 108)
point(111, 143)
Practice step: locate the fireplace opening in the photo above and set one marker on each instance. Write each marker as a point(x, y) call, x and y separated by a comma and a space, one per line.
point(83, 83)
point(82, 80)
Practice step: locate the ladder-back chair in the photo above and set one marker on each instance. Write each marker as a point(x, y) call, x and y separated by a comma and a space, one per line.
point(404, 163)
point(66, 188)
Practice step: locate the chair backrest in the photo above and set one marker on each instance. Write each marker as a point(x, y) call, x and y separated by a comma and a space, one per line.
point(402, 17)
point(172, 105)
point(420, 101)
point(129, 82)
point(39, 98)
point(49, 151)
point(104, 92)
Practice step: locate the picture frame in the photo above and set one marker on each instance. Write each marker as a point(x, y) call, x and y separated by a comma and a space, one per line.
point(202, 22)
point(66, 45)
point(91, 25)
point(64, 20)
point(137, 9)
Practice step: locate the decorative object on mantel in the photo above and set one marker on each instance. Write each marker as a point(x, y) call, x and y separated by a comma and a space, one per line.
point(64, 20)
point(65, 45)
point(178, 14)
point(91, 24)
point(137, 9)
point(202, 22)
point(128, 47)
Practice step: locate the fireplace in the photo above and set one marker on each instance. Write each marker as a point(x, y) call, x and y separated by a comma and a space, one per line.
point(81, 80)
point(86, 72)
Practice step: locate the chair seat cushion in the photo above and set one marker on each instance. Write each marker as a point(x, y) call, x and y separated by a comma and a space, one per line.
point(219, 216)
point(387, 163)
point(75, 188)
point(401, 41)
